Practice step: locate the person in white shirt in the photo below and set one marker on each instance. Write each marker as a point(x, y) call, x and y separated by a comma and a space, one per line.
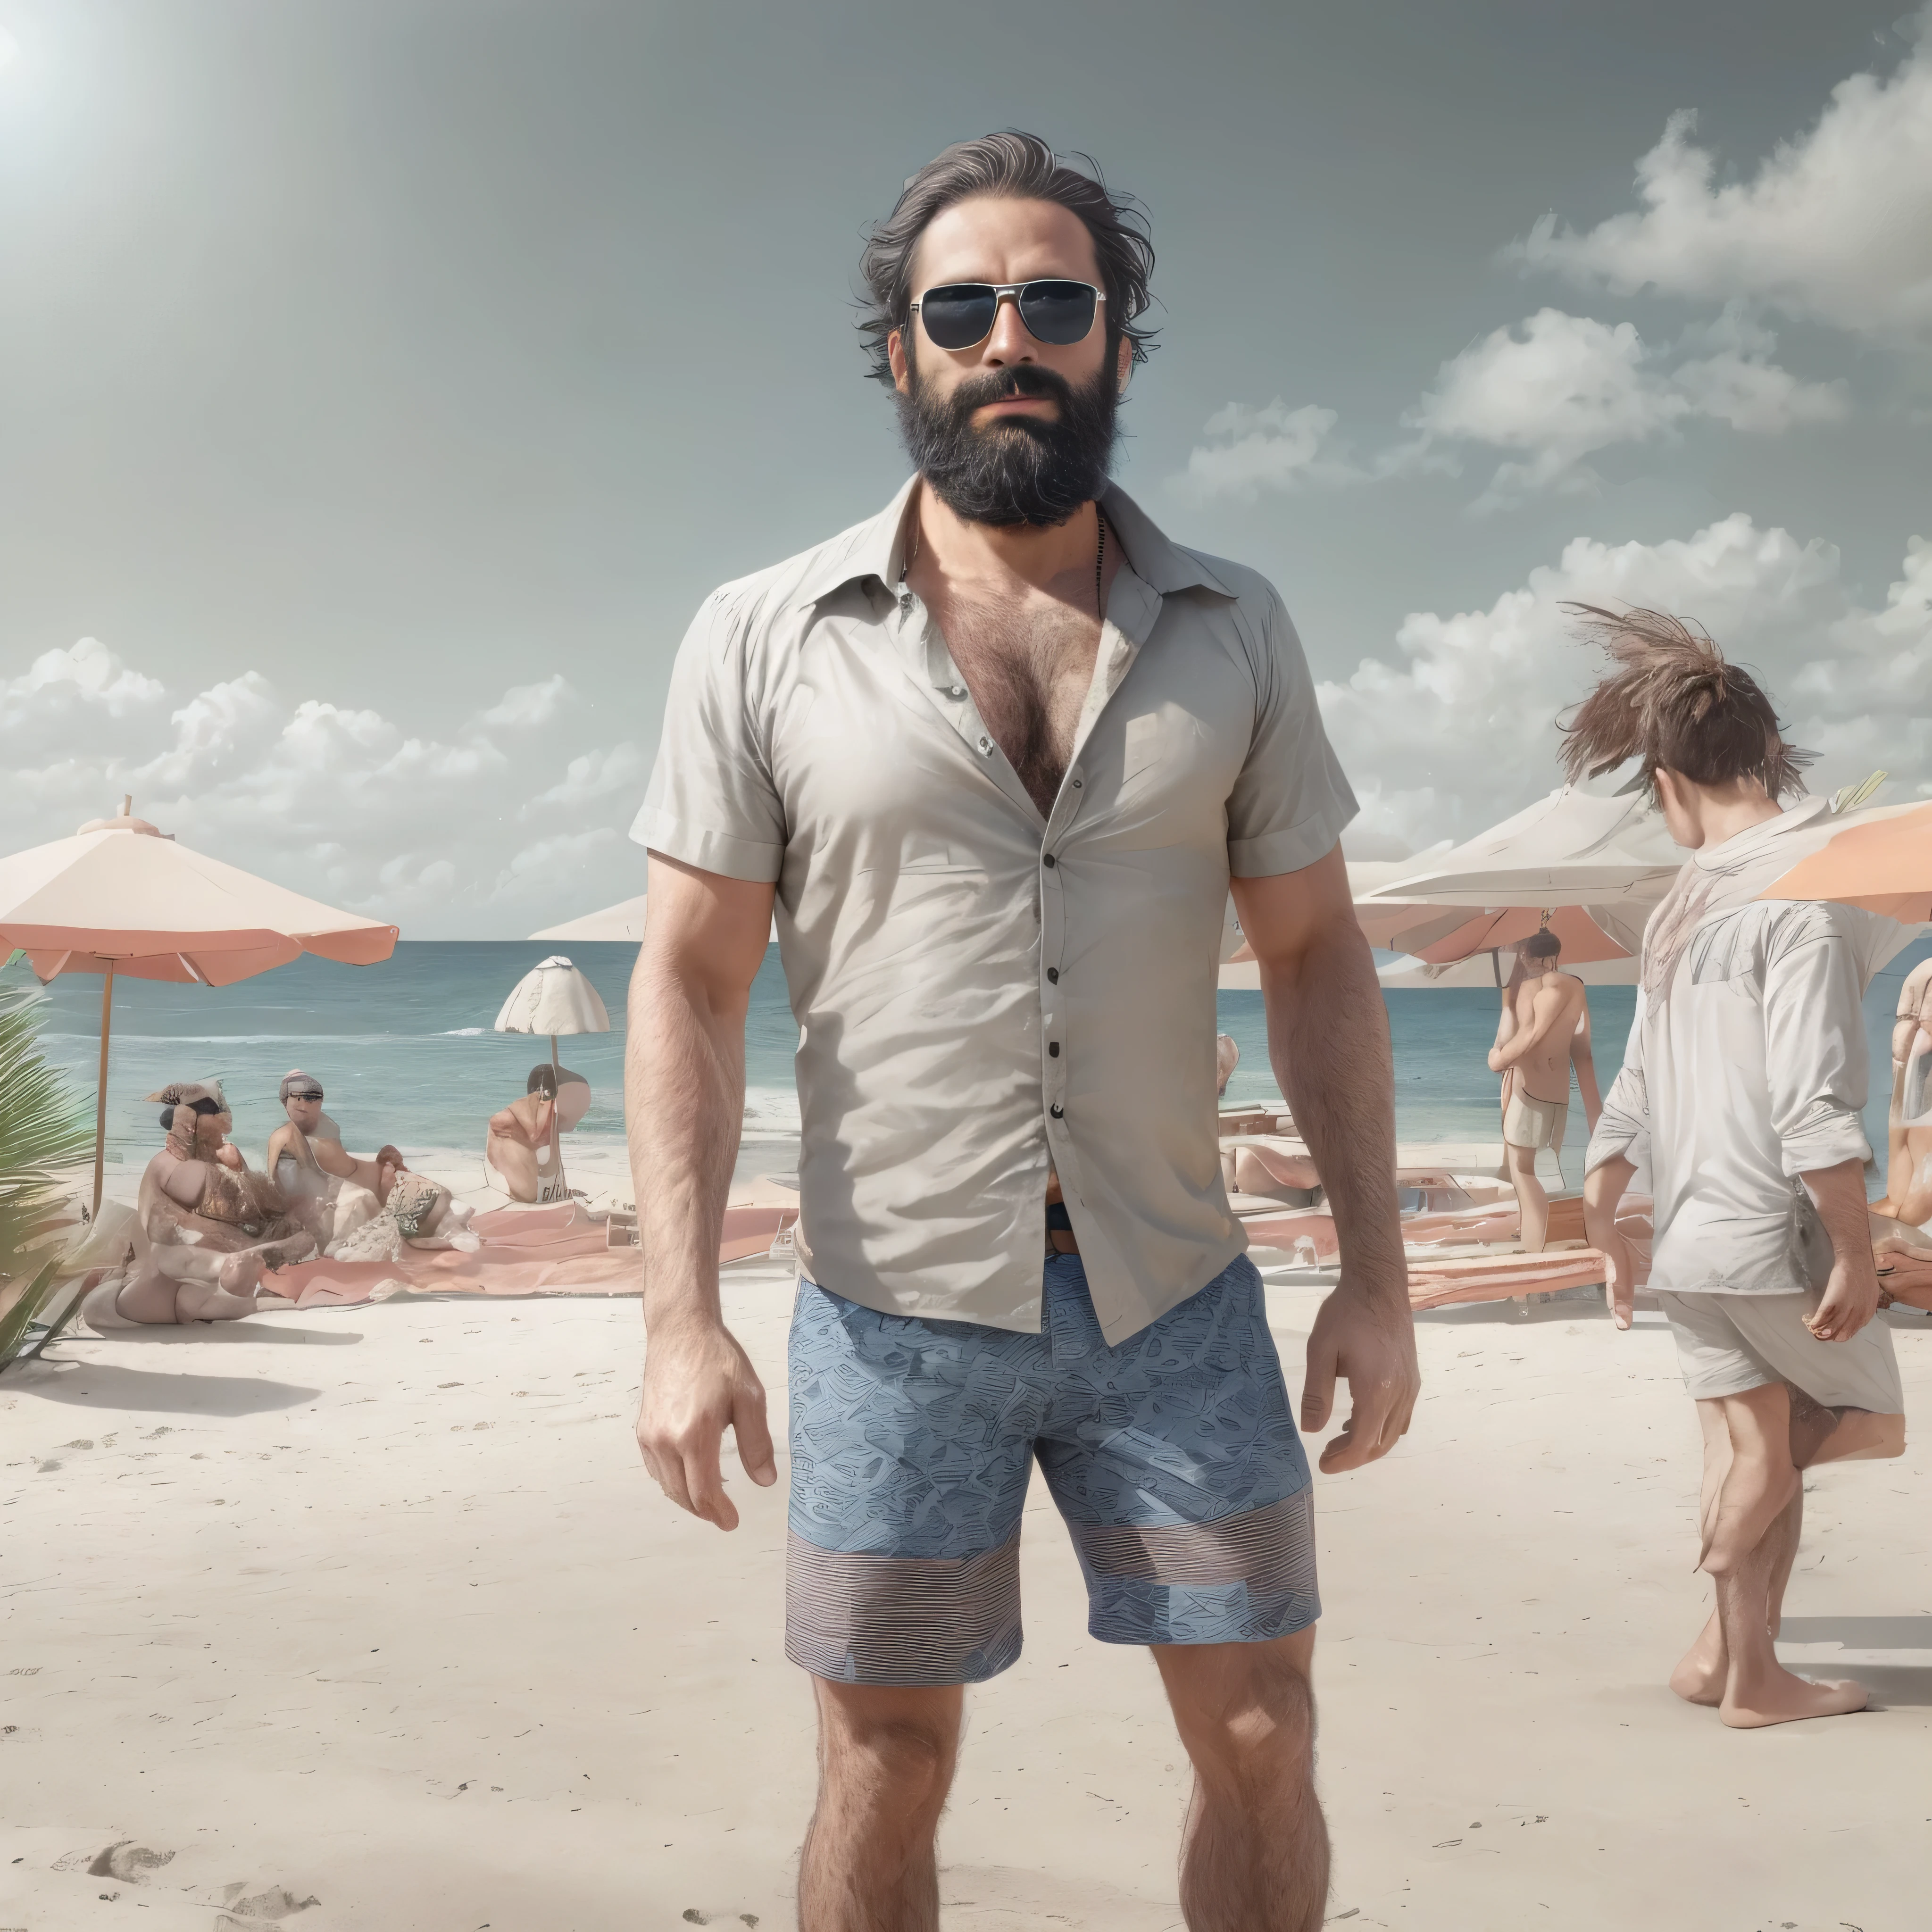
point(1741, 1092)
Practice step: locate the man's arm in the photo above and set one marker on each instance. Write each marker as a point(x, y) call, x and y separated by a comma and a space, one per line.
point(684, 1107)
point(1851, 1296)
point(1585, 1062)
point(1328, 1039)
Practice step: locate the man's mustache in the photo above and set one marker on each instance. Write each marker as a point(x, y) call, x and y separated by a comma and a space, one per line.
point(998, 385)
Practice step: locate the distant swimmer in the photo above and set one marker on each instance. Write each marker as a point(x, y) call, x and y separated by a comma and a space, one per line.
point(1544, 1031)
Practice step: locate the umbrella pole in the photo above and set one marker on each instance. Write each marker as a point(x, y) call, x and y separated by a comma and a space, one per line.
point(556, 1132)
point(100, 1101)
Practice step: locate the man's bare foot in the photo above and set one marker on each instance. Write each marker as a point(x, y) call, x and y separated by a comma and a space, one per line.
point(1785, 1699)
point(1700, 1676)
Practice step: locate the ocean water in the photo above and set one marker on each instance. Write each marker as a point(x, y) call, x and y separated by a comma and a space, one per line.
point(405, 1053)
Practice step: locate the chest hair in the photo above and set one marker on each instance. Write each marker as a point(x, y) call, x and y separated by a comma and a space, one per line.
point(1029, 666)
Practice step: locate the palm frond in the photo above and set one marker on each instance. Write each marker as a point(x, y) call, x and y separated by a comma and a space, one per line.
point(44, 1125)
point(25, 1305)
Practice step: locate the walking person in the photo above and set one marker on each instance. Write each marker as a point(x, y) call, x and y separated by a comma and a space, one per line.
point(996, 754)
point(1741, 1090)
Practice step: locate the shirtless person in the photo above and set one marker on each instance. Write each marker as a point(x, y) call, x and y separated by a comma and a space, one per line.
point(523, 1146)
point(1544, 1031)
point(313, 1142)
point(207, 1225)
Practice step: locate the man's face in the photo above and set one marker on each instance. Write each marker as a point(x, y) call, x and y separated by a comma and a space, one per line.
point(1012, 430)
point(305, 1111)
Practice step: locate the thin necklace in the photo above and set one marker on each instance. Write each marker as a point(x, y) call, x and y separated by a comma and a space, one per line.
point(1099, 558)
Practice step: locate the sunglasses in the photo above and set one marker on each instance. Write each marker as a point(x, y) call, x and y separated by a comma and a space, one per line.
point(305, 1093)
point(961, 315)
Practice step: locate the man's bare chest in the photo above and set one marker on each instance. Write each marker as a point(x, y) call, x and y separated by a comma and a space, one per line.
point(1029, 668)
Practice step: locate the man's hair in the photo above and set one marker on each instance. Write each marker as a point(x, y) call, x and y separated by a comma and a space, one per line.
point(546, 1080)
point(1544, 945)
point(1021, 167)
point(1674, 701)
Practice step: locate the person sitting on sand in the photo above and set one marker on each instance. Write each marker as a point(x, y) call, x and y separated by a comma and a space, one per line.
point(1544, 1031)
point(1741, 1090)
point(522, 1150)
point(207, 1225)
point(311, 1143)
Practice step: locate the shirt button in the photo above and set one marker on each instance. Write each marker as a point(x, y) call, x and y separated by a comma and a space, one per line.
point(1053, 976)
point(1076, 784)
point(1053, 1049)
point(956, 690)
point(1058, 1112)
point(985, 744)
point(1048, 861)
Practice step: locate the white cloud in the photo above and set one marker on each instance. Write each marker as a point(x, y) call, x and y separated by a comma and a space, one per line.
point(1559, 387)
point(1835, 226)
point(1456, 729)
point(1251, 450)
point(493, 824)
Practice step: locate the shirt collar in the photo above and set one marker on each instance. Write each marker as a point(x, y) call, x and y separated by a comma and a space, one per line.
point(877, 548)
point(1746, 843)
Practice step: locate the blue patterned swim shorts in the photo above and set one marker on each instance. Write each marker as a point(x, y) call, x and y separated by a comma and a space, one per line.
point(1174, 1458)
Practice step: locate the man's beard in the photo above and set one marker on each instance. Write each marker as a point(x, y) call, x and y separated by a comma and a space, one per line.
point(1019, 469)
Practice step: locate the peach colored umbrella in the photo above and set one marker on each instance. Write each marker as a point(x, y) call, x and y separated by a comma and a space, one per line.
point(120, 897)
point(1883, 864)
point(1492, 931)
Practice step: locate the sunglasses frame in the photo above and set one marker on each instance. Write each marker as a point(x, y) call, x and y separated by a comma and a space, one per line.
point(1003, 291)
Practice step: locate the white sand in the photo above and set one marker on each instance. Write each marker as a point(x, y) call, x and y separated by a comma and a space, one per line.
point(377, 1605)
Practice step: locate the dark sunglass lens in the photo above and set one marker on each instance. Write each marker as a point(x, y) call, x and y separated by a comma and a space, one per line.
point(959, 315)
point(1057, 312)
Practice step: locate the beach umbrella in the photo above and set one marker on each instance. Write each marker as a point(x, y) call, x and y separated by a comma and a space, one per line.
point(623, 922)
point(553, 998)
point(1570, 848)
point(1880, 859)
point(120, 897)
point(1480, 971)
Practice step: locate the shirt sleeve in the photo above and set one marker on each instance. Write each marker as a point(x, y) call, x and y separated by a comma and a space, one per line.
point(1290, 803)
point(711, 802)
point(1623, 1127)
point(1816, 1057)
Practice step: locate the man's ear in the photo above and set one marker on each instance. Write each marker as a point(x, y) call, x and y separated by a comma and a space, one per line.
point(1123, 364)
point(896, 354)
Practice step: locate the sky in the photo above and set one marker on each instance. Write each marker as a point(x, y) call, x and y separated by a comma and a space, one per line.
point(384, 383)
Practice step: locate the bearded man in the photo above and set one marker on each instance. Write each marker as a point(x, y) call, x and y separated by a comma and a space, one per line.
point(996, 753)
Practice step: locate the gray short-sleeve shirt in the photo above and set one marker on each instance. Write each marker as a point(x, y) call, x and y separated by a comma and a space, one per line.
point(985, 995)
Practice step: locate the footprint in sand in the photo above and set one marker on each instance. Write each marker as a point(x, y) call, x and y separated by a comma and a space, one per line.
point(241, 1914)
point(240, 1910)
point(692, 1916)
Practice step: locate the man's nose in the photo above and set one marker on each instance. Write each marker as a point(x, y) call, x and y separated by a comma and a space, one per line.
point(1009, 341)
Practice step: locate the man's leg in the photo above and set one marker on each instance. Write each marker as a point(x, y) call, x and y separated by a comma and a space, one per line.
point(1698, 1677)
point(1254, 1852)
point(1759, 1509)
point(1530, 1197)
point(885, 1765)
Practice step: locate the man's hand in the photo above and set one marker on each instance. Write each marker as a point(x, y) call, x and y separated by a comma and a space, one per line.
point(1374, 1352)
point(1850, 1301)
point(697, 1381)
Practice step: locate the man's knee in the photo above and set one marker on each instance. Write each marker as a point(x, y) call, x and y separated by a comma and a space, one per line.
point(1242, 1707)
point(896, 1745)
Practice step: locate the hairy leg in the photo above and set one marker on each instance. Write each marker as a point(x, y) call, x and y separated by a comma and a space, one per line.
point(885, 1764)
point(1255, 1850)
point(1759, 1510)
point(1530, 1197)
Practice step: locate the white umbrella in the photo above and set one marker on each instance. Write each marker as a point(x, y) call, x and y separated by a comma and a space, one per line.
point(623, 922)
point(553, 998)
point(1570, 848)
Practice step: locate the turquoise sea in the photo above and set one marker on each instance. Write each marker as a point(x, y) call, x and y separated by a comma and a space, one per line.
point(407, 1054)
